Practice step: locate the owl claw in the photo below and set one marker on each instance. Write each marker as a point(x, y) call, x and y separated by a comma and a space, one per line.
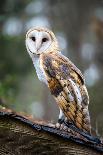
point(60, 125)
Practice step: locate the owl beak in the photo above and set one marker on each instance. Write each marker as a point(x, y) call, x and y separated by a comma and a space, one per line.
point(38, 44)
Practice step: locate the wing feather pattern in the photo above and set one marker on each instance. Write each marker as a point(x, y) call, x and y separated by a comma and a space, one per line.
point(66, 84)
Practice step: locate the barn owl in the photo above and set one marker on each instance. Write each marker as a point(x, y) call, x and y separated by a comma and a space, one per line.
point(64, 79)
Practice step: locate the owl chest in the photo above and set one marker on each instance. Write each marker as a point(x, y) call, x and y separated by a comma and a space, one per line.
point(39, 70)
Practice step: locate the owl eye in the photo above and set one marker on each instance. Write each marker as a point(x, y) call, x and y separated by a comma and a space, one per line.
point(33, 38)
point(44, 39)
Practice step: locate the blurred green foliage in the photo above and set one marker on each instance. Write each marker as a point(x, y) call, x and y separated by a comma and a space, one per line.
point(14, 64)
point(14, 61)
point(7, 90)
point(13, 58)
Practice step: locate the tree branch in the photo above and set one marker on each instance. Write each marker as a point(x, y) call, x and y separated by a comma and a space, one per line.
point(20, 134)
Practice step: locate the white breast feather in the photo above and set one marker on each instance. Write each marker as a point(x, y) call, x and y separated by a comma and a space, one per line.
point(39, 70)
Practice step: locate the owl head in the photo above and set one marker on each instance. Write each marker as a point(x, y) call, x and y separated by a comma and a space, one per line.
point(40, 40)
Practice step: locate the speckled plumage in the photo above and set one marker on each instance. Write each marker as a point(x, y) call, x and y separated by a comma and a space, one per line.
point(66, 84)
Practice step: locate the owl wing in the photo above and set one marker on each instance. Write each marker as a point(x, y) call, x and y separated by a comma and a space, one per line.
point(66, 84)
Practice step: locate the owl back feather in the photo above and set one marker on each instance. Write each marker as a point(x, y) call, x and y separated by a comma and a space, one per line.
point(66, 84)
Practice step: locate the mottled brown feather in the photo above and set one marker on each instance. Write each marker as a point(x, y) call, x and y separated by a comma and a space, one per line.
point(58, 69)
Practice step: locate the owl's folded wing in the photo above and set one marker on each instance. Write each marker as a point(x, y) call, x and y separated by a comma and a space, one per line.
point(66, 84)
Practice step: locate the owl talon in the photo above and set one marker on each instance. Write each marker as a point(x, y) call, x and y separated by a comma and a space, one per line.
point(60, 125)
point(60, 122)
point(57, 125)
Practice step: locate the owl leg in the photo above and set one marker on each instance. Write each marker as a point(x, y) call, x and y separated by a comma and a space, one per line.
point(61, 117)
point(60, 124)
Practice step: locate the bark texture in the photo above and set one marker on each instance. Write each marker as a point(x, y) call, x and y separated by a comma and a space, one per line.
point(21, 135)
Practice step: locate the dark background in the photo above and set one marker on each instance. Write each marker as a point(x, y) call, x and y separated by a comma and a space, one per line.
point(78, 26)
